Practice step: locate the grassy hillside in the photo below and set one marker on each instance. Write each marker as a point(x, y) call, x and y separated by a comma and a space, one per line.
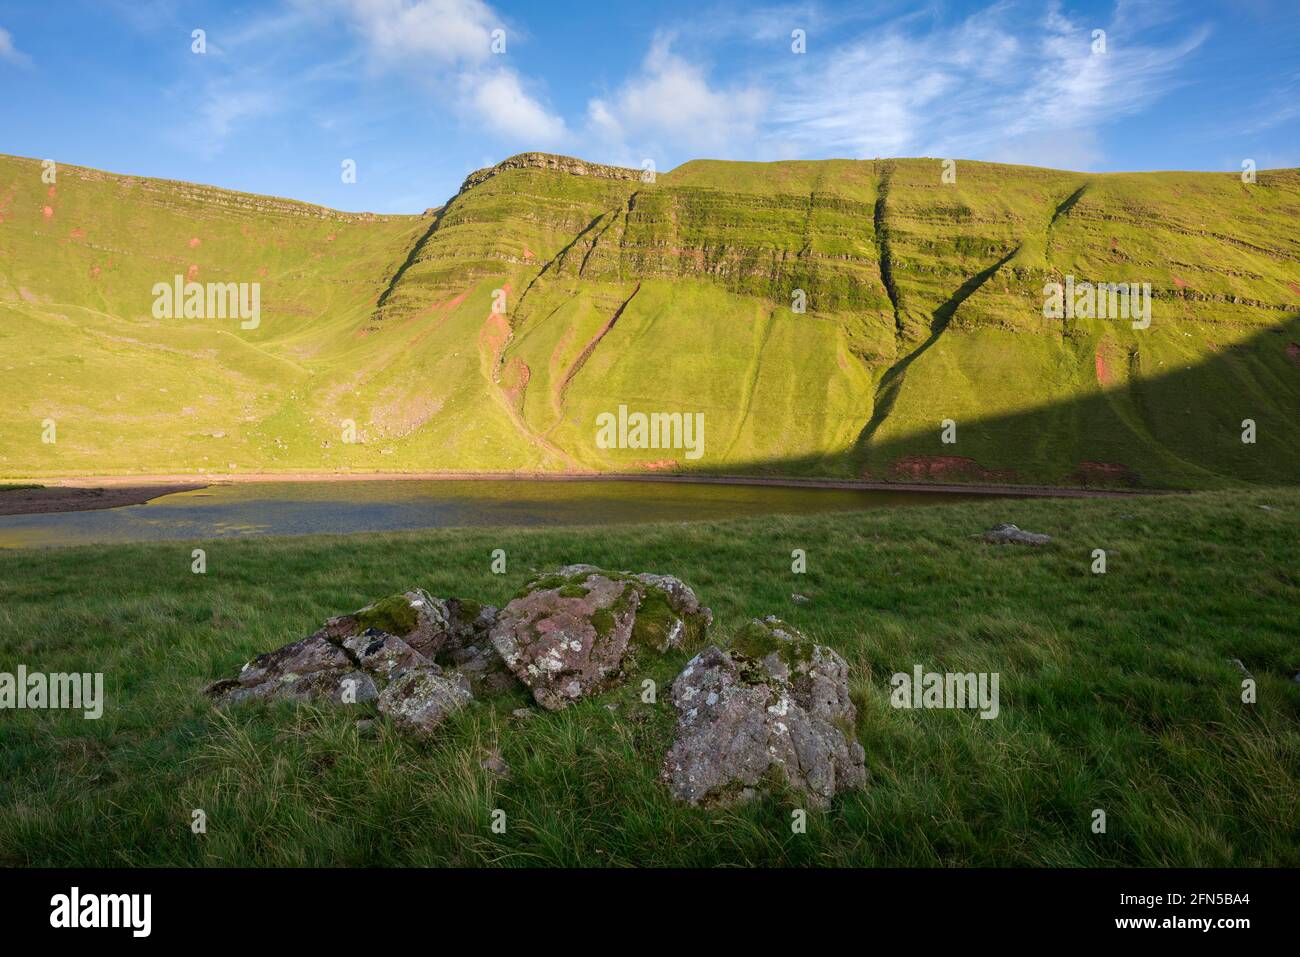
point(1116, 692)
point(490, 333)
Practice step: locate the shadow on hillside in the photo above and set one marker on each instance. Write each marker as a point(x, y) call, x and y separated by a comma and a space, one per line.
point(1179, 429)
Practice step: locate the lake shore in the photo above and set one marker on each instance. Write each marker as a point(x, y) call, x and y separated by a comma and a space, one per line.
point(85, 493)
point(68, 494)
point(84, 498)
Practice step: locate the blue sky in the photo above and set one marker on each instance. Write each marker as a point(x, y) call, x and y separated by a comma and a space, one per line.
point(413, 93)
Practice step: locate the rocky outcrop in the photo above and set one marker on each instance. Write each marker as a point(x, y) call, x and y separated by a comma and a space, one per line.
point(772, 708)
point(552, 162)
point(578, 632)
point(419, 657)
point(1011, 535)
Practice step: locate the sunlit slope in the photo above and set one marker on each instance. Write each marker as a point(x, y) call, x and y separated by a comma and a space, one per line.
point(826, 318)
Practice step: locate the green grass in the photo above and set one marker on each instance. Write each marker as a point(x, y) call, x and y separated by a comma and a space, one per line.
point(1116, 693)
point(924, 303)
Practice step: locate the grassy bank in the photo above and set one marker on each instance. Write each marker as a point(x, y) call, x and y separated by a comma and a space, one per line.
point(1116, 693)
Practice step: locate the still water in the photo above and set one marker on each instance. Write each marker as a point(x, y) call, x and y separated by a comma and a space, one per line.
point(306, 508)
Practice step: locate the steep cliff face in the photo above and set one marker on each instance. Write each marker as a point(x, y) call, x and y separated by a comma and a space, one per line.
point(825, 317)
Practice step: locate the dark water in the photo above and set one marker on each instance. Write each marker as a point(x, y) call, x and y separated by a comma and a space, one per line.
point(305, 508)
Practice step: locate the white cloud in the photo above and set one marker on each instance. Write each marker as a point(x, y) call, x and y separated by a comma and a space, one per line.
point(9, 52)
point(450, 42)
point(499, 100)
point(220, 113)
point(445, 31)
point(671, 105)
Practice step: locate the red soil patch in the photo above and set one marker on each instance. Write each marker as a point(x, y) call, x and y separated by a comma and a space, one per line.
point(2, 217)
point(1103, 371)
point(453, 303)
point(924, 467)
point(492, 337)
point(658, 465)
point(1294, 288)
point(77, 233)
point(1180, 282)
point(330, 238)
point(1104, 473)
point(94, 272)
point(52, 192)
point(528, 253)
point(47, 212)
point(1293, 353)
point(193, 272)
point(195, 242)
point(518, 374)
point(261, 271)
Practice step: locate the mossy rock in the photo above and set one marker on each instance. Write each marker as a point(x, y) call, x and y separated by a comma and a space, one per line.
point(394, 615)
point(759, 638)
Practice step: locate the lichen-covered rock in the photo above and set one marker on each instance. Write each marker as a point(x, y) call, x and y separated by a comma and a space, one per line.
point(383, 654)
point(297, 658)
point(670, 613)
point(341, 685)
point(775, 706)
point(567, 636)
point(1006, 534)
point(579, 630)
point(418, 699)
point(419, 619)
point(349, 659)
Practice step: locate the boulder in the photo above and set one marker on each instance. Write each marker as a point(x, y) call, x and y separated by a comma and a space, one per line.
point(579, 631)
point(1009, 534)
point(774, 707)
point(354, 658)
point(418, 699)
point(566, 638)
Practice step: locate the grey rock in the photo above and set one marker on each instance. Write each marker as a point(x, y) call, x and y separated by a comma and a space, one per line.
point(800, 599)
point(419, 699)
point(383, 654)
point(775, 705)
point(1010, 534)
point(568, 641)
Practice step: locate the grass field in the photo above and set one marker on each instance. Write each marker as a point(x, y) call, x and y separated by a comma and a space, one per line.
point(1116, 694)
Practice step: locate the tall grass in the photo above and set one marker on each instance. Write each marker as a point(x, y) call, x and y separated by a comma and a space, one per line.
point(1116, 694)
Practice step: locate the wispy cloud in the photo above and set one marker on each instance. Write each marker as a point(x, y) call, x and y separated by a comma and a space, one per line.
point(1016, 81)
point(998, 85)
point(9, 53)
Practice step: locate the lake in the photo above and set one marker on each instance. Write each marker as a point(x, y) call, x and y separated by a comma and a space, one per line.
point(308, 508)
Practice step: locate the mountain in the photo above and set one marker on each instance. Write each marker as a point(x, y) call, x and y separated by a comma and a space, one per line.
point(492, 333)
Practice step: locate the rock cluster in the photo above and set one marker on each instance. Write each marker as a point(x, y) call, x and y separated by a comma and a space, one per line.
point(772, 708)
point(418, 657)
